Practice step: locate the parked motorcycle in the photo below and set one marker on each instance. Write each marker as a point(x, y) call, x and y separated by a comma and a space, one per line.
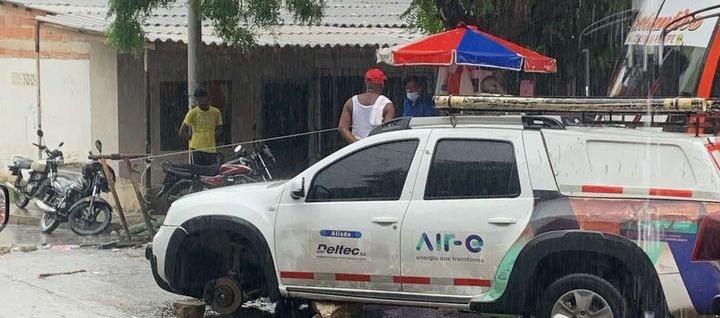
point(182, 179)
point(33, 177)
point(78, 201)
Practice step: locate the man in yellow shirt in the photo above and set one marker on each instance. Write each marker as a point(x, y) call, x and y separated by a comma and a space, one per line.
point(204, 123)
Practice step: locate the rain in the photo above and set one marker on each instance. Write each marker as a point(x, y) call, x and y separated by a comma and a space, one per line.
point(370, 158)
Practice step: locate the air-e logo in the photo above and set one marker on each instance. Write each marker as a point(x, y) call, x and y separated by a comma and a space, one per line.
point(443, 241)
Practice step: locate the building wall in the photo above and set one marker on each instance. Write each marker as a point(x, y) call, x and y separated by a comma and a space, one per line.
point(247, 73)
point(65, 83)
point(104, 97)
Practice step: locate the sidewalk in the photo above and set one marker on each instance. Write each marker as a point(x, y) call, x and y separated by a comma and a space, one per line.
point(30, 216)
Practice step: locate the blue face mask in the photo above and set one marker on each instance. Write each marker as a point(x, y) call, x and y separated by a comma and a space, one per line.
point(413, 96)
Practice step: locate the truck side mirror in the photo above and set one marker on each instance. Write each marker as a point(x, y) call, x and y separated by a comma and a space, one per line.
point(297, 189)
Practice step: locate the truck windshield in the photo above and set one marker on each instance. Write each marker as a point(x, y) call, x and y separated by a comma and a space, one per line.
point(640, 74)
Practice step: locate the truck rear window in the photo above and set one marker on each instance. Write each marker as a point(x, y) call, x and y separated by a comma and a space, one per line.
point(639, 164)
point(620, 163)
point(468, 169)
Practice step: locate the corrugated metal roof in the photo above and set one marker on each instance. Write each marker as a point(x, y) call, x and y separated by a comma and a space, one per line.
point(346, 22)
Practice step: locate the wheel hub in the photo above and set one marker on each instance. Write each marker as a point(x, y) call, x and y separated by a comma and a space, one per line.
point(581, 303)
point(227, 296)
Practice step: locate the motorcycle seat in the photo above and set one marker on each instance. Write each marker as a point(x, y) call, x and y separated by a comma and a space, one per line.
point(201, 170)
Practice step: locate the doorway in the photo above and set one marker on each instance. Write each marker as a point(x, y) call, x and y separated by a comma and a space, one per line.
point(285, 110)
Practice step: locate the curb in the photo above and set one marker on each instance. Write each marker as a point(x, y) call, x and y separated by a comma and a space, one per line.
point(24, 220)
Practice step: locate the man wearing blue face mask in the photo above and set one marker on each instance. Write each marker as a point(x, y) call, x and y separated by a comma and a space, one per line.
point(417, 103)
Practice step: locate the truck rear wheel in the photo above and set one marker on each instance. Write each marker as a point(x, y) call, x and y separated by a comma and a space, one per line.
point(581, 296)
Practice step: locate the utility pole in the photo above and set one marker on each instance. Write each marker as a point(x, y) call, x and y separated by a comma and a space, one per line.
point(37, 85)
point(194, 43)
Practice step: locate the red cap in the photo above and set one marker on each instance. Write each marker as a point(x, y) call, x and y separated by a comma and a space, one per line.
point(375, 76)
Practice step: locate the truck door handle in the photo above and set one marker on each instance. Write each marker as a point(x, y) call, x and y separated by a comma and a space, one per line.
point(384, 220)
point(502, 221)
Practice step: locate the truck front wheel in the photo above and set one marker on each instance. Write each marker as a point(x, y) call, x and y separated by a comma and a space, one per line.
point(581, 296)
point(224, 295)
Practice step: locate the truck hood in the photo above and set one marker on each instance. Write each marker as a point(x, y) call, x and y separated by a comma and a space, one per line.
point(260, 198)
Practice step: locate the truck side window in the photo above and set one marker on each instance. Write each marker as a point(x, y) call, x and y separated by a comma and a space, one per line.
point(471, 169)
point(376, 173)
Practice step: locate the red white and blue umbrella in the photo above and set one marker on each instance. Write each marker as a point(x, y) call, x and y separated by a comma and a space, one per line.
point(466, 45)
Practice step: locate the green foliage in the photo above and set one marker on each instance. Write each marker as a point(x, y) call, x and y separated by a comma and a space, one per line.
point(423, 16)
point(550, 27)
point(233, 20)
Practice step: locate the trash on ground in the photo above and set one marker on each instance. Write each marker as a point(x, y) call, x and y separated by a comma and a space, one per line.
point(21, 248)
point(263, 304)
point(45, 275)
point(329, 309)
point(64, 248)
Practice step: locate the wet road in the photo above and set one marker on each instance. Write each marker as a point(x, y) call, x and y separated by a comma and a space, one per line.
point(31, 235)
point(116, 283)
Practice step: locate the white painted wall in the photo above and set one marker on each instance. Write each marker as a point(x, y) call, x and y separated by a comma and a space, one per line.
point(18, 116)
point(66, 114)
point(104, 96)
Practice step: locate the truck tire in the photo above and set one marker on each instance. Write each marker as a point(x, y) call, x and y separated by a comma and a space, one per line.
point(581, 295)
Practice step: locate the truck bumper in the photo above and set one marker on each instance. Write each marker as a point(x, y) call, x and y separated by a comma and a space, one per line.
point(153, 266)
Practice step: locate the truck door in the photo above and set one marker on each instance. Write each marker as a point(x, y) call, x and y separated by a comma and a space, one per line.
point(346, 232)
point(472, 200)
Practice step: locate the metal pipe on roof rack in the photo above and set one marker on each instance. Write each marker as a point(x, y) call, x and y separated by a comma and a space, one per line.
point(497, 103)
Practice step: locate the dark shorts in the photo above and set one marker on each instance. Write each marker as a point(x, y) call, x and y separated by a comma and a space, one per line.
point(204, 158)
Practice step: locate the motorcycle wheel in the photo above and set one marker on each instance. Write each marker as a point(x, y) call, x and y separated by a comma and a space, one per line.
point(49, 222)
point(21, 200)
point(86, 222)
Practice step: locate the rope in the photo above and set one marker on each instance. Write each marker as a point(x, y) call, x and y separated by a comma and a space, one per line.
point(171, 154)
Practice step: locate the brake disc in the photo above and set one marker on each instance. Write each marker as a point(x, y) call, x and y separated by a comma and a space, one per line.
point(226, 296)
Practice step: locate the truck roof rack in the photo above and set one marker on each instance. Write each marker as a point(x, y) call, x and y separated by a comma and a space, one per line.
point(693, 115)
point(527, 122)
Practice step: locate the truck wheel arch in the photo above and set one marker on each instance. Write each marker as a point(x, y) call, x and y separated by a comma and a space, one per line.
point(235, 225)
point(517, 296)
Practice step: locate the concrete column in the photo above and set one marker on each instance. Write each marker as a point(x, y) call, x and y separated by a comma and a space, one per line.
point(194, 43)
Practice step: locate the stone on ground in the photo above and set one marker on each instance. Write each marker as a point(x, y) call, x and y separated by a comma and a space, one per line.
point(189, 308)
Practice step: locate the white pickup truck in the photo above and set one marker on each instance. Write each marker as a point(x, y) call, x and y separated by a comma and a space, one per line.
point(506, 215)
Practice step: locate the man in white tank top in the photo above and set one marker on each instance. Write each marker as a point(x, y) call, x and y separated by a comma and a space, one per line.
point(365, 111)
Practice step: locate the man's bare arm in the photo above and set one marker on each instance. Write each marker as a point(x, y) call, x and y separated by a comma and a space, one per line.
point(346, 122)
point(388, 112)
point(184, 131)
point(218, 132)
